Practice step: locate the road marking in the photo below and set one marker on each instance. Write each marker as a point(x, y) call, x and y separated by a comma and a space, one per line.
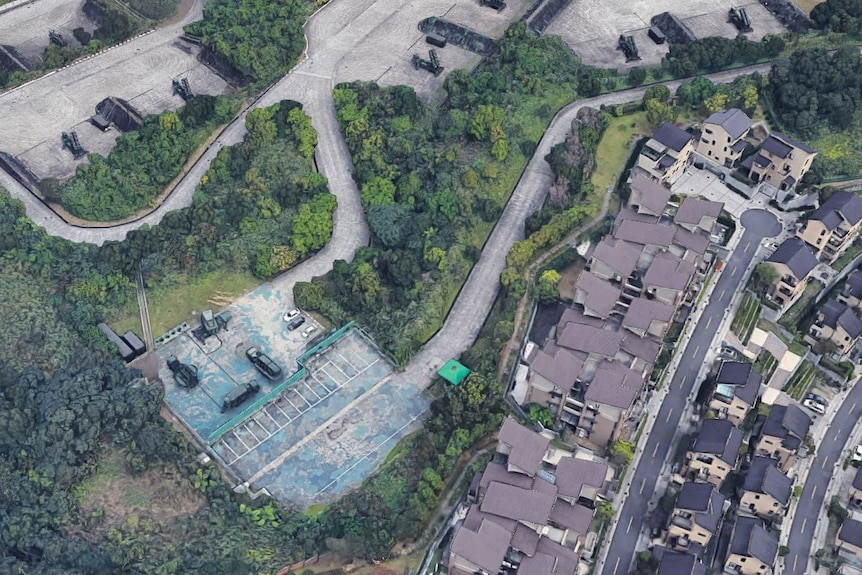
point(643, 484)
point(825, 461)
point(655, 451)
point(837, 433)
point(631, 519)
point(708, 321)
point(721, 295)
point(814, 491)
point(795, 559)
point(696, 349)
point(669, 413)
point(804, 523)
point(617, 566)
point(748, 245)
point(733, 272)
point(682, 382)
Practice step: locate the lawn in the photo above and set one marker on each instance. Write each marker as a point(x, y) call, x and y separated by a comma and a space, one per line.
point(616, 146)
point(792, 345)
point(807, 5)
point(172, 305)
point(765, 364)
point(746, 318)
point(853, 250)
point(790, 320)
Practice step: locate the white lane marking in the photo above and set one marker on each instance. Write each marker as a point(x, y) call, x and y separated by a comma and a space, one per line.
point(631, 519)
point(655, 451)
point(669, 413)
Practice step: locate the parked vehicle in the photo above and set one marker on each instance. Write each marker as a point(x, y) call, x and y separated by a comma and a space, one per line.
point(290, 315)
point(263, 363)
point(814, 406)
point(308, 331)
point(239, 394)
point(295, 323)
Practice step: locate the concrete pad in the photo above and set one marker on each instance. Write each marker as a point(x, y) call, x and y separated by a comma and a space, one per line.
point(26, 28)
point(758, 337)
point(789, 362)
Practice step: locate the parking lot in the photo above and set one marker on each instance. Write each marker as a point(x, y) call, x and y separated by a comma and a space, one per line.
point(319, 428)
point(592, 27)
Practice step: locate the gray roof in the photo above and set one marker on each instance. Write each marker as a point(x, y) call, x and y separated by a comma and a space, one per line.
point(589, 339)
point(642, 312)
point(499, 472)
point(776, 147)
point(750, 539)
point(575, 517)
point(601, 296)
point(525, 539)
point(734, 121)
point(528, 447)
point(857, 479)
point(517, 504)
point(645, 233)
point(745, 381)
point(538, 564)
point(796, 255)
point(652, 195)
point(691, 241)
point(643, 347)
point(853, 285)
point(618, 255)
point(674, 563)
point(705, 501)
point(764, 477)
point(788, 423)
point(615, 385)
point(475, 517)
point(671, 136)
point(719, 437)
point(486, 547)
point(836, 313)
point(572, 474)
point(851, 532)
point(692, 210)
point(562, 368)
point(567, 560)
point(795, 143)
point(668, 271)
point(840, 206)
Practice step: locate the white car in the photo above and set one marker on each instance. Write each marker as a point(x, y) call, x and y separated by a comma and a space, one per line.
point(857, 455)
point(290, 315)
point(308, 331)
point(814, 406)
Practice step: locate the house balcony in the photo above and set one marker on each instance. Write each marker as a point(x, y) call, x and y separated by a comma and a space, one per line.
point(790, 280)
point(683, 522)
point(785, 291)
point(840, 232)
point(836, 242)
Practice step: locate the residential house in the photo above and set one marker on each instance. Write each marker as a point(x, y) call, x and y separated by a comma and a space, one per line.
point(834, 225)
point(607, 401)
point(696, 215)
point(713, 454)
point(666, 153)
point(856, 489)
point(534, 523)
point(614, 259)
point(598, 296)
point(674, 563)
point(765, 490)
point(780, 161)
point(852, 292)
point(648, 317)
point(752, 549)
point(695, 519)
point(837, 326)
point(848, 542)
point(793, 263)
point(782, 433)
point(668, 278)
point(737, 386)
point(553, 372)
point(647, 197)
point(722, 139)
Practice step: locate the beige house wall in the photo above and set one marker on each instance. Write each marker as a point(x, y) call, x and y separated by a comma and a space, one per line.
point(715, 145)
point(735, 411)
point(770, 446)
point(762, 505)
point(746, 565)
point(715, 471)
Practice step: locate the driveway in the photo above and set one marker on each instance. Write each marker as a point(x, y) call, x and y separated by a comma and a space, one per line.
point(758, 225)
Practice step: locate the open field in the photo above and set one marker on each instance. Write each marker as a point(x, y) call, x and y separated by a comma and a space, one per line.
point(592, 27)
point(616, 146)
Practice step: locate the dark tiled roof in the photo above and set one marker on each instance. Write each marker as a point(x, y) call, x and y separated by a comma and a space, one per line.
point(750, 539)
point(796, 255)
point(850, 322)
point(574, 517)
point(562, 368)
point(694, 496)
point(853, 286)
point(719, 437)
point(788, 423)
point(740, 375)
point(528, 447)
point(618, 255)
point(498, 472)
point(601, 295)
point(761, 160)
point(734, 121)
point(518, 504)
point(668, 271)
point(693, 209)
point(572, 474)
point(652, 195)
point(567, 560)
point(538, 564)
point(671, 136)
point(642, 312)
point(645, 233)
point(486, 547)
point(674, 563)
point(840, 205)
point(764, 477)
point(525, 539)
point(796, 144)
point(643, 347)
point(851, 532)
point(776, 147)
point(691, 241)
point(738, 146)
point(614, 387)
point(475, 517)
point(589, 339)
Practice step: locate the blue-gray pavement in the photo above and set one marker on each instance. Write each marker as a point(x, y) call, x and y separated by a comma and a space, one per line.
point(758, 225)
point(827, 458)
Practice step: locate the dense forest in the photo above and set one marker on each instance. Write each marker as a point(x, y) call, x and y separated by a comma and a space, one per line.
point(143, 162)
point(434, 181)
point(716, 53)
point(260, 38)
point(843, 16)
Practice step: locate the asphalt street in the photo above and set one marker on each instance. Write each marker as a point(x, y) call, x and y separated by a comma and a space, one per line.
point(827, 459)
point(758, 225)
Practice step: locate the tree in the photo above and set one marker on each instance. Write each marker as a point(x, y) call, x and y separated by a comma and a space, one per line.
point(378, 191)
point(540, 414)
point(658, 92)
point(622, 452)
point(547, 291)
point(767, 273)
point(312, 226)
point(636, 76)
point(605, 511)
point(485, 120)
point(716, 102)
point(658, 113)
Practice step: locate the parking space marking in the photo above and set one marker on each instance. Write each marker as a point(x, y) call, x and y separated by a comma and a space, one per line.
point(341, 370)
point(323, 385)
point(312, 391)
point(347, 362)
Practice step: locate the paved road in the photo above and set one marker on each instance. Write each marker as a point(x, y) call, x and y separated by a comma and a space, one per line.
point(758, 224)
point(826, 459)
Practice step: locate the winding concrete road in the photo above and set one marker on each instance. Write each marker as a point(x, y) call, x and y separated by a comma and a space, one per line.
point(758, 224)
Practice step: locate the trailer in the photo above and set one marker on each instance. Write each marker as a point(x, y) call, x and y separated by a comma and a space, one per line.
point(657, 35)
point(436, 40)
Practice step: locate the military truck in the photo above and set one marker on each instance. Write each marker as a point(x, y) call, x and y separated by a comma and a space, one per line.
point(185, 375)
point(497, 5)
point(739, 18)
point(239, 394)
point(263, 363)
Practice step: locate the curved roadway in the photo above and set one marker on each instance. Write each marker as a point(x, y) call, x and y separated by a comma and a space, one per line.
point(758, 224)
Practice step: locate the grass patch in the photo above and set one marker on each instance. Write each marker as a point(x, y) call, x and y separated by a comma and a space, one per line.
point(853, 250)
point(110, 467)
point(807, 5)
point(801, 380)
point(793, 346)
point(791, 319)
point(616, 146)
point(315, 510)
point(765, 364)
point(746, 318)
point(177, 302)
